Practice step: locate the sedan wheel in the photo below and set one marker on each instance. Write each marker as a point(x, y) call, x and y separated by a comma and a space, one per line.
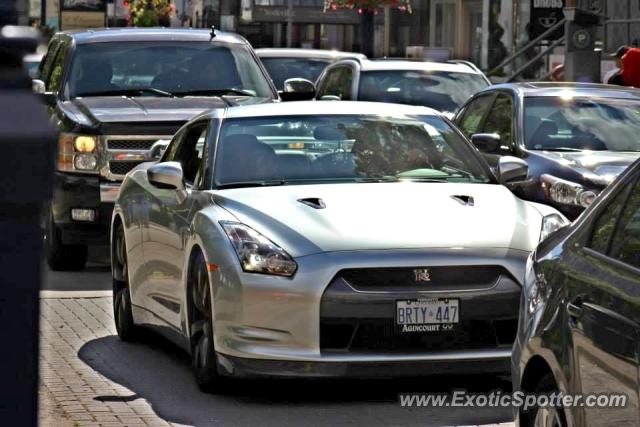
point(122, 312)
point(203, 355)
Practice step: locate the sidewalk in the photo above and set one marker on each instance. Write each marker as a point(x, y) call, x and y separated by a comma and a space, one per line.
point(75, 394)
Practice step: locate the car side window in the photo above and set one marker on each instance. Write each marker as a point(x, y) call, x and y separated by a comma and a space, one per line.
point(47, 61)
point(500, 120)
point(625, 244)
point(189, 150)
point(471, 119)
point(605, 224)
point(55, 78)
point(338, 83)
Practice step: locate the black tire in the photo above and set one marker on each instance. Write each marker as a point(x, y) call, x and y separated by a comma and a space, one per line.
point(544, 417)
point(203, 354)
point(61, 257)
point(122, 312)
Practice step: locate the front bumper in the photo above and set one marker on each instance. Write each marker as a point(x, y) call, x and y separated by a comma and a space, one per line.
point(263, 321)
point(474, 362)
point(75, 191)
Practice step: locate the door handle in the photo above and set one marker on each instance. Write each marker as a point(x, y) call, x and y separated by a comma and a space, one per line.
point(574, 310)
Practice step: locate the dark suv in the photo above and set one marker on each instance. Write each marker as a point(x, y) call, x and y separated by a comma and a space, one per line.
point(115, 95)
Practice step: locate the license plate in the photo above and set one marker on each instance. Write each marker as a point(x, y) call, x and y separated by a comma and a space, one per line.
point(427, 315)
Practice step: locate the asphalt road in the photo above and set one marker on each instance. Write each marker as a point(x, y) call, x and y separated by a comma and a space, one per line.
point(160, 373)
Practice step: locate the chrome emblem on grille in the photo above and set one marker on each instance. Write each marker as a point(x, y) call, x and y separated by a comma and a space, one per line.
point(422, 275)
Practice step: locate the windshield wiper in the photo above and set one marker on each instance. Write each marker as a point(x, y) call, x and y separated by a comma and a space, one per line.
point(248, 184)
point(130, 92)
point(216, 92)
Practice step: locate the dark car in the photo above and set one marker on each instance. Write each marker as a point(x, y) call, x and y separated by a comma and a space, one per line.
point(576, 138)
point(443, 86)
point(286, 63)
point(579, 329)
point(115, 94)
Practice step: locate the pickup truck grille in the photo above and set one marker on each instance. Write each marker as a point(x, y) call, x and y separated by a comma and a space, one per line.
point(130, 144)
point(122, 153)
point(122, 168)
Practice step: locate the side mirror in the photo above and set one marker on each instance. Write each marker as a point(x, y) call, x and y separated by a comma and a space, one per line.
point(512, 169)
point(38, 87)
point(167, 175)
point(297, 89)
point(486, 142)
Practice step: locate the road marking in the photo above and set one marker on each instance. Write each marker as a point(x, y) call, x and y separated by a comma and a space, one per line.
point(74, 294)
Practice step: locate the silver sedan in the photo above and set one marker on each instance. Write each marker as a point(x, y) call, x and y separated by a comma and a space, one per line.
point(325, 239)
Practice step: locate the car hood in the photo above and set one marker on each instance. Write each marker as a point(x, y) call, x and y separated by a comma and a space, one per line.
point(92, 111)
point(385, 216)
point(598, 166)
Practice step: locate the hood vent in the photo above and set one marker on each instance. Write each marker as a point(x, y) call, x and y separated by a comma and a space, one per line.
point(464, 200)
point(314, 202)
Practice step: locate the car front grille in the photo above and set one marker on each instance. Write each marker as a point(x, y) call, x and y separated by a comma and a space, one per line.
point(358, 309)
point(122, 167)
point(130, 144)
point(122, 153)
point(360, 335)
point(440, 278)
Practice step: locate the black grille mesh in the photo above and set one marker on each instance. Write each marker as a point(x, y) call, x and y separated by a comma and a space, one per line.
point(122, 168)
point(130, 144)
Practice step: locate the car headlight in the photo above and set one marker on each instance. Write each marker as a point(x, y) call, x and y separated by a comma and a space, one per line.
point(256, 253)
point(551, 223)
point(77, 153)
point(567, 192)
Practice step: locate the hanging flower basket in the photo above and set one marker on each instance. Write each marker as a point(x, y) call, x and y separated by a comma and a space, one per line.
point(149, 13)
point(367, 5)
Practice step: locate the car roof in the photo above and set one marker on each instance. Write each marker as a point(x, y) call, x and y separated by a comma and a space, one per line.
point(554, 89)
point(315, 108)
point(99, 35)
point(306, 53)
point(403, 65)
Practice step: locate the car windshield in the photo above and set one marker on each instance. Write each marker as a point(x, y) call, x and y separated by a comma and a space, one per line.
point(281, 69)
point(441, 90)
point(167, 68)
point(339, 148)
point(572, 124)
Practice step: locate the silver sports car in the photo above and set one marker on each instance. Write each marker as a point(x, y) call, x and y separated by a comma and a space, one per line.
point(325, 239)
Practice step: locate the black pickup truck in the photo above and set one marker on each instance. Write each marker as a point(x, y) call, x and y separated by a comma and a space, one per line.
point(116, 97)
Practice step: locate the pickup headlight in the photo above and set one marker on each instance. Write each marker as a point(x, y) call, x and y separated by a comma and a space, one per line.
point(77, 153)
point(551, 223)
point(567, 192)
point(256, 253)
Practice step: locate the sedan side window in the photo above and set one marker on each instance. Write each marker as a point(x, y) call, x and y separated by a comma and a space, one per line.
point(471, 119)
point(189, 150)
point(625, 245)
point(500, 120)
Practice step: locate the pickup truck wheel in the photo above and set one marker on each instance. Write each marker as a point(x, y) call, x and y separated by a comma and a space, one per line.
point(61, 257)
